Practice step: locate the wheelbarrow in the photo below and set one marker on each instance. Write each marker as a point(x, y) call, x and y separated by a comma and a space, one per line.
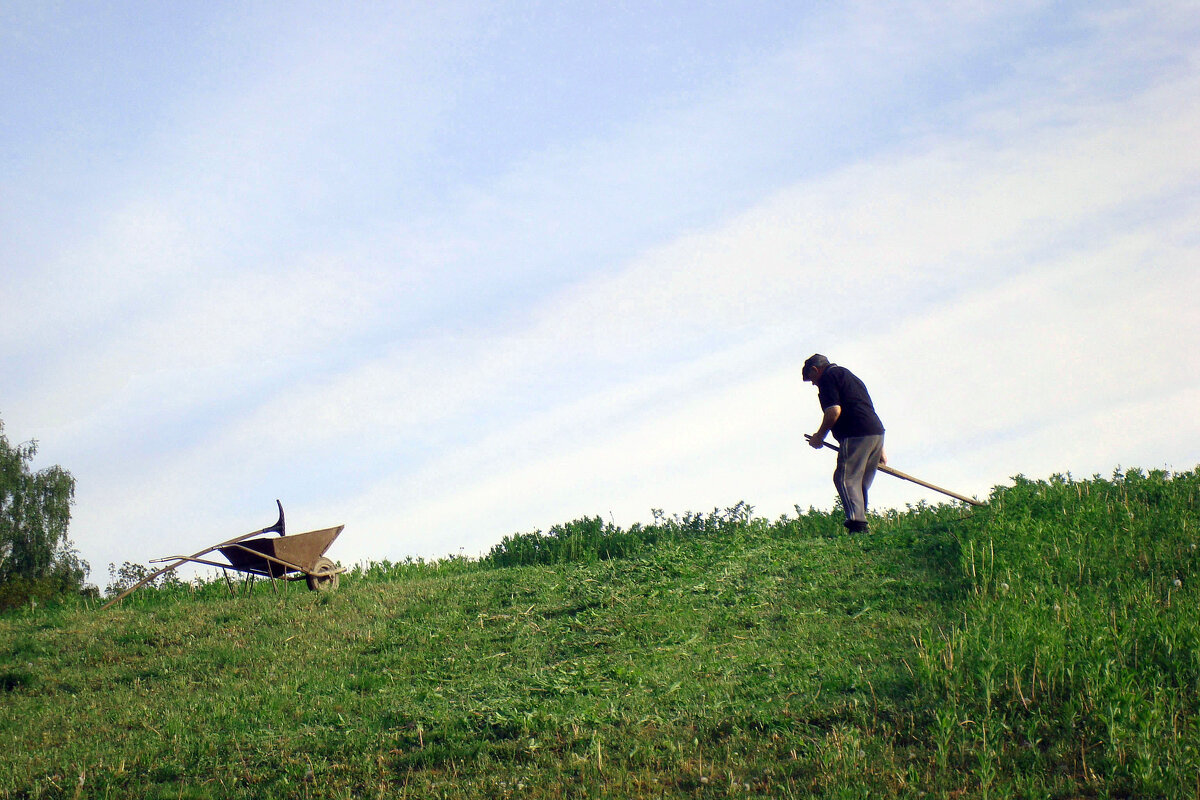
point(300, 556)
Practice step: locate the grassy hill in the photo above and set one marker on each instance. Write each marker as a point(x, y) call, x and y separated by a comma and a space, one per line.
point(1047, 645)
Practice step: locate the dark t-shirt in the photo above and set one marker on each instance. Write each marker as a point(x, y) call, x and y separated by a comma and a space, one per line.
point(840, 387)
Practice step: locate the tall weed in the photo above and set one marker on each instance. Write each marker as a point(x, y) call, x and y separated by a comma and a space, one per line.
point(1078, 645)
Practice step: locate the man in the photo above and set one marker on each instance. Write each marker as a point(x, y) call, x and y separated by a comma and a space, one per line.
point(850, 415)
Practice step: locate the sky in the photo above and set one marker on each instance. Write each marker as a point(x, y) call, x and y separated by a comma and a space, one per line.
point(445, 272)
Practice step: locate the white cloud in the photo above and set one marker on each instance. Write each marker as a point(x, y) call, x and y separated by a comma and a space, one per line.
point(612, 324)
point(886, 236)
point(1032, 331)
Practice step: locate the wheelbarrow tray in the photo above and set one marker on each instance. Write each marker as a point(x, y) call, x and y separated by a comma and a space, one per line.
point(276, 556)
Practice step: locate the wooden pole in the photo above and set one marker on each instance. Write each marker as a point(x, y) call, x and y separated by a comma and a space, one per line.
point(904, 476)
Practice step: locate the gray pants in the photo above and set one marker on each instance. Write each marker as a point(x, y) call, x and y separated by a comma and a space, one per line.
point(857, 461)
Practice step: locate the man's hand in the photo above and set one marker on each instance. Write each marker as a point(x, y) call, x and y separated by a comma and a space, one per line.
point(882, 457)
point(817, 440)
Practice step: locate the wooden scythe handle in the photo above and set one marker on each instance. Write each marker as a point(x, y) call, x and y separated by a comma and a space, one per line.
point(904, 476)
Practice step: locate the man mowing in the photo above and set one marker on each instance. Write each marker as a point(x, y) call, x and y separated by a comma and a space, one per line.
point(848, 413)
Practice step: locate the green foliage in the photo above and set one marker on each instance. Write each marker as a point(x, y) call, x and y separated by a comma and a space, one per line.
point(1078, 645)
point(1045, 645)
point(581, 540)
point(122, 577)
point(37, 560)
point(591, 539)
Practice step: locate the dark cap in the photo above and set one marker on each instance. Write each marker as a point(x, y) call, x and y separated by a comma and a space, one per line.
point(816, 360)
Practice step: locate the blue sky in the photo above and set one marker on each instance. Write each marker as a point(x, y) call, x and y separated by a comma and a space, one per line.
point(444, 272)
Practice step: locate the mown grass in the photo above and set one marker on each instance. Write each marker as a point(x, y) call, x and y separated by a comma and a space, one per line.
point(1039, 647)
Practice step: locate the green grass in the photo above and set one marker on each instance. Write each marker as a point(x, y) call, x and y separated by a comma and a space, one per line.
point(1039, 647)
point(1077, 664)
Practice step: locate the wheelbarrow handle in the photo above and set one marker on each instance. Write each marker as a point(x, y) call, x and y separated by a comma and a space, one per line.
point(277, 527)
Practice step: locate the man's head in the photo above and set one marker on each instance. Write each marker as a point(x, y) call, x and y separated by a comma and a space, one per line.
point(814, 367)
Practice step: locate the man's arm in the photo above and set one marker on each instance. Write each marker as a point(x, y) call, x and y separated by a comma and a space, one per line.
point(817, 441)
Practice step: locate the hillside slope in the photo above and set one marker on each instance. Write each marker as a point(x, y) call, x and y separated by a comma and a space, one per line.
point(1045, 645)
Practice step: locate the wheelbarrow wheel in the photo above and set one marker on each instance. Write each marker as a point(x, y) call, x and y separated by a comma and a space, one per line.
point(323, 578)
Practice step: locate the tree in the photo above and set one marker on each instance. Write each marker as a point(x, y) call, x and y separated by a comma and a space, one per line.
point(37, 560)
